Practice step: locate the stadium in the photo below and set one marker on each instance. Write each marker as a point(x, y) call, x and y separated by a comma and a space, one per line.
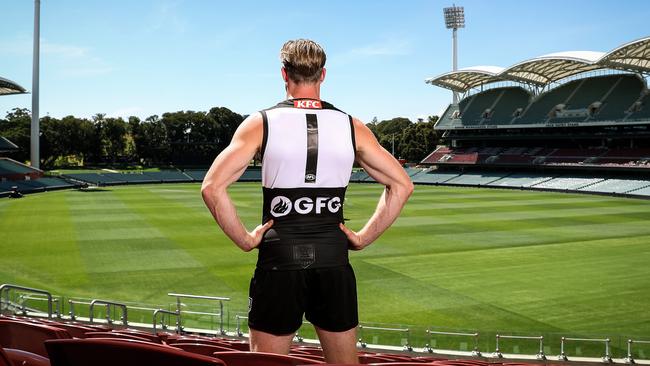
point(525, 242)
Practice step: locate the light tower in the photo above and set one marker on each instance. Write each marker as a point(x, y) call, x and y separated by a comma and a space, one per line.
point(454, 19)
point(35, 155)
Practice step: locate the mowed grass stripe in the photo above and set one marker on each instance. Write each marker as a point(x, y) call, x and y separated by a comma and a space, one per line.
point(578, 287)
point(195, 234)
point(38, 245)
point(122, 257)
point(458, 258)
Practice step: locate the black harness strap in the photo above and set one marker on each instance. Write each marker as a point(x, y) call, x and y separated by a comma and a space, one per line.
point(312, 148)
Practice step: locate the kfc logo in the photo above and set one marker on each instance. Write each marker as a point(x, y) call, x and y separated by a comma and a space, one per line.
point(307, 104)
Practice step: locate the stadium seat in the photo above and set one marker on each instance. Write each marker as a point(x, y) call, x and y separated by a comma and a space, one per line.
point(237, 345)
point(28, 336)
point(368, 359)
point(316, 351)
point(115, 352)
point(398, 363)
point(202, 349)
point(75, 330)
point(311, 357)
point(138, 333)
point(4, 358)
point(262, 359)
point(16, 357)
point(116, 335)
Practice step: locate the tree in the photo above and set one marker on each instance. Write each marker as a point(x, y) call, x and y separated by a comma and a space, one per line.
point(16, 127)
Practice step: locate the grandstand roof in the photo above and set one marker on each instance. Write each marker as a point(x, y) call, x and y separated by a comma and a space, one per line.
point(10, 87)
point(633, 55)
point(466, 78)
point(552, 67)
point(6, 145)
point(542, 70)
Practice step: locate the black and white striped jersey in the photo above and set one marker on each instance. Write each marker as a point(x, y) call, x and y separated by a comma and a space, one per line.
point(307, 155)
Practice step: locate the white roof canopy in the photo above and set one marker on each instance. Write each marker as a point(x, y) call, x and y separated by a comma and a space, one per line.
point(467, 78)
point(634, 55)
point(548, 68)
point(10, 87)
point(542, 70)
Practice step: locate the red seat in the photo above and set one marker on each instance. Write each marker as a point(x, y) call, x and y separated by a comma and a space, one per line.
point(28, 336)
point(398, 363)
point(201, 349)
point(4, 358)
point(116, 335)
point(75, 330)
point(307, 355)
point(262, 359)
point(367, 359)
point(18, 357)
point(238, 345)
point(116, 352)
point(138, 333)
point(309, 350)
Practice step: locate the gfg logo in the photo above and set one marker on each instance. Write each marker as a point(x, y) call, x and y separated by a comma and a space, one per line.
point(282, 206)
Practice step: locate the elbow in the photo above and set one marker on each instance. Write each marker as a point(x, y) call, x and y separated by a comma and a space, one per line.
point(408, 188)
point(206, 190)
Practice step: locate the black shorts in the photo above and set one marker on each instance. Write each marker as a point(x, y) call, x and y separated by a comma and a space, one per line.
point(326, 296)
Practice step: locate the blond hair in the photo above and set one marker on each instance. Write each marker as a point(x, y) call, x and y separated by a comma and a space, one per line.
point(303, 59)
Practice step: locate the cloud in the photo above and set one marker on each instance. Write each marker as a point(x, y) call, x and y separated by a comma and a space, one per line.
point(68, 60)
point(165, 17)
point(388, 47)
point(126, 112)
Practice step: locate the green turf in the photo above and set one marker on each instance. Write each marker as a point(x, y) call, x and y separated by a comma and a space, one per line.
point(458, 258)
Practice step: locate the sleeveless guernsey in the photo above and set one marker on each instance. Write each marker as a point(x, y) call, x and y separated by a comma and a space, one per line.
point(307, 155)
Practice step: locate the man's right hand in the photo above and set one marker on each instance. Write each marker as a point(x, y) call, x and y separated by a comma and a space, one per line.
point(255, 236)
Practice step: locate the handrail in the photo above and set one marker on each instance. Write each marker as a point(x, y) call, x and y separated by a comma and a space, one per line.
point(199, 297)
point(55, 300)
point(407, 346)
point(540, 354)
point(108, 304)
point(179, 326)
point(629, 358)
point(71, 312)
point(606, 358)
point(475, 351)
point(163, 311)
point(6, 287)
point(238, 323)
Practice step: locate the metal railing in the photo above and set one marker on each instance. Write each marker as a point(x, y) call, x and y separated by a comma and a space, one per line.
point(407, 346)
point(109, 305)
point(540, 354)
point(606, 358)
point(179, 304)
point(475, 351)
point(71, 313)
point(238, 319)
point(6, 287)
point(24, 309)
point(162, 322)
point(629, 358)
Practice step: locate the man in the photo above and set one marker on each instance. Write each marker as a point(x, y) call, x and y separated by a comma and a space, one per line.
point(308, 148)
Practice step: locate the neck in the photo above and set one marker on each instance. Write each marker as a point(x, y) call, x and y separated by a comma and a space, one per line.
point(309, 91)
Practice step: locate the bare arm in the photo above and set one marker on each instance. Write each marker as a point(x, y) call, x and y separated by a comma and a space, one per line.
point(383, 167)
point(225, 170)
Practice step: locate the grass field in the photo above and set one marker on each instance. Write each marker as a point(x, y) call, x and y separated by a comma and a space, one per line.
point(458, 258)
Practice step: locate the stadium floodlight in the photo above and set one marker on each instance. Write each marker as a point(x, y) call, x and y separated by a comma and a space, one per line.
point(454, 19)
point(35, 154)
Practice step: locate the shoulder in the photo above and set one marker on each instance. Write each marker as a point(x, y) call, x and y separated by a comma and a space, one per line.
point(251, 129)
point(364, 138)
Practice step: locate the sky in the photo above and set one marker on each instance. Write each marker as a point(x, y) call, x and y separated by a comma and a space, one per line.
point(146, 57)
